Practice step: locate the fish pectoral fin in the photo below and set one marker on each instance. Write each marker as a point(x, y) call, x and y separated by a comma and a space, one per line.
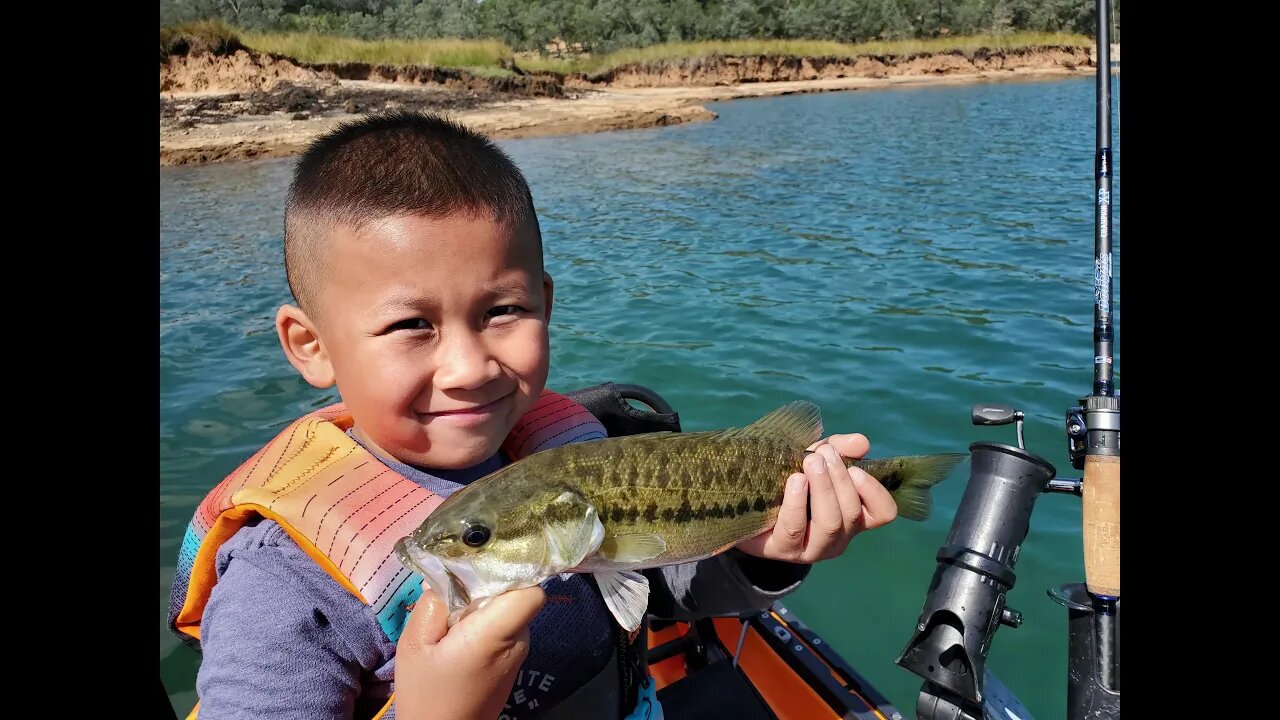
point(627, 595)
point(568, 542)
point(632, 547)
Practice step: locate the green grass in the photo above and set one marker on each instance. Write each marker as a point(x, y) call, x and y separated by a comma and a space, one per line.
point(317, 48)
point(799, 48)
point(487, 57)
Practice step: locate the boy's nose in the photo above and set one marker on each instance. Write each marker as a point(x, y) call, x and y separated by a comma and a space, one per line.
point(466, 364)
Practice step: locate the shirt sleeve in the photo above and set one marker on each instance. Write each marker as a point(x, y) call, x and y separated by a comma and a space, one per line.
point(280, 638)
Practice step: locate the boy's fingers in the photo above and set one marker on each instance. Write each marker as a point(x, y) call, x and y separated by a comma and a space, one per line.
point(504, 619)
point(824, 504)
point(850, 504)
point(877, 502)
point(792, 526)
point(468, 672)
point(428, 619)
point(854, 445)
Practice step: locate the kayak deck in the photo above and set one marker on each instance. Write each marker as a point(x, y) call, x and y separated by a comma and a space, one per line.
point(784, 672)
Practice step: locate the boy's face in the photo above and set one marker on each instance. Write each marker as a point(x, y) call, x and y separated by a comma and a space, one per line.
point(435, 332)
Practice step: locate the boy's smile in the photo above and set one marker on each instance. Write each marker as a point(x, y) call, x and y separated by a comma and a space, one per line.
point(472, 415)
point(433, 329)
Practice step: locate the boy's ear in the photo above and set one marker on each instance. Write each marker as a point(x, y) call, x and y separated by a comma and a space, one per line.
point(548, 292)
point(302, 346)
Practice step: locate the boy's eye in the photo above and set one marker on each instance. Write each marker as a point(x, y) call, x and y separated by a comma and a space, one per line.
point(501, 310)
point(411, 324)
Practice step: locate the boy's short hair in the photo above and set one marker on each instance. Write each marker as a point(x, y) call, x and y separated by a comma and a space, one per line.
point(392, 164)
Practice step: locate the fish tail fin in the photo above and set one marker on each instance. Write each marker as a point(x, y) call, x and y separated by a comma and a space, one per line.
point(910, 478)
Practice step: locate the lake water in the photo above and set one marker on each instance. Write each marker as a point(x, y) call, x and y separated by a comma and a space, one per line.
point(893, 255)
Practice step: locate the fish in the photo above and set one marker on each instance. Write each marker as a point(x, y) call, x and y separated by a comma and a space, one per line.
point(613, 507)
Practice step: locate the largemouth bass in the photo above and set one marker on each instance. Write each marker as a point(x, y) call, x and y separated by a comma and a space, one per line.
point(616, 506)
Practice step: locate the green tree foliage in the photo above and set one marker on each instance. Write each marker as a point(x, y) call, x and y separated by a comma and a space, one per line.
point(604, 25)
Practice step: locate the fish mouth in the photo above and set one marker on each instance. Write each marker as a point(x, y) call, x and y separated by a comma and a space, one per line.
point(446, 585)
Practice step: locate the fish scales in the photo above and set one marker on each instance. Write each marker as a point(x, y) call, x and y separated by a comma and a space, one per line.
point(694, 489)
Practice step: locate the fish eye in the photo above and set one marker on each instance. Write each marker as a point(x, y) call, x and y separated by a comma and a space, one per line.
point(475, 534)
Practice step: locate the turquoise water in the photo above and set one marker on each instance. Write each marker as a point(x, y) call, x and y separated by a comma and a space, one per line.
point(894, 256)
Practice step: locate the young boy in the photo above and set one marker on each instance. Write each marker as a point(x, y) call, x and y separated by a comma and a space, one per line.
point(414, 255)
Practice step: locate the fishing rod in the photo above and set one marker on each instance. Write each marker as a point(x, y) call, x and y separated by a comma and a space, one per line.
point(1093, 442)
point(966, 602)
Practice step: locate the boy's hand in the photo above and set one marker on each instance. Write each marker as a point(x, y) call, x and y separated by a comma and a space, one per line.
point(466, 674)
point(839, 503)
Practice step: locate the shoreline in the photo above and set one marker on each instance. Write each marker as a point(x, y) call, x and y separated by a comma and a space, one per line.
point(609, 108)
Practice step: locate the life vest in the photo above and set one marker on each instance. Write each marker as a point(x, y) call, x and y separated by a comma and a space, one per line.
point(343, 507)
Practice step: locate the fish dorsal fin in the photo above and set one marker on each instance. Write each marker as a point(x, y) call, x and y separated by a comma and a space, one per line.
point(798, 423)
